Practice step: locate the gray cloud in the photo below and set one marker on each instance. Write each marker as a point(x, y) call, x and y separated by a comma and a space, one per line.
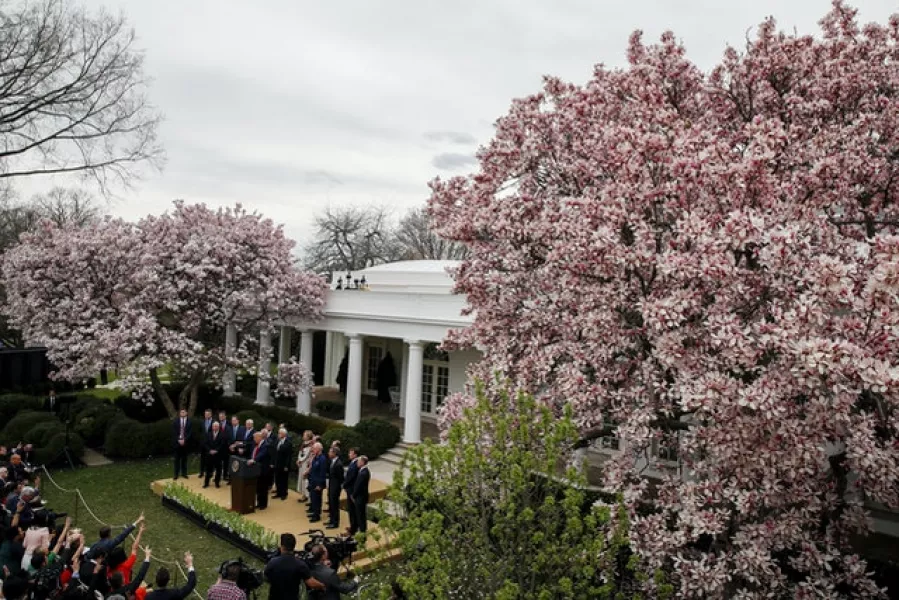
point(451, 161)
point(452, 137)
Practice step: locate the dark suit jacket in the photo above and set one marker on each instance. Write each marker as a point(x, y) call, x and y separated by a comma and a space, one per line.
point(335, 474)
point(285, 574)
point(176, 431)
point(261, 457)
point(207, 428)
point(109, 543)
point(219, 444)
point(235, 435)
point(350, 479)
point(284, 454)
point(360, 489)
point(318, 471)
point(55, 408)
point(175, 593)
point(335, 585)
point(246, 435)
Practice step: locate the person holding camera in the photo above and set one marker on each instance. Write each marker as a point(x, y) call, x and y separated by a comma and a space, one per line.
point(286, 572)
point(322, 571)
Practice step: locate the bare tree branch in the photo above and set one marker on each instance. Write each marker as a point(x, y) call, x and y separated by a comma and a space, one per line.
point(72, 95)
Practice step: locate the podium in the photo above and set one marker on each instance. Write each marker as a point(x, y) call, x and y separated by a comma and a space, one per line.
point(243, 484)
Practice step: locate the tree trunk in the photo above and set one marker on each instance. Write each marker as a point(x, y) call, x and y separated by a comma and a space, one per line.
point(190, 394)
point(163, 394)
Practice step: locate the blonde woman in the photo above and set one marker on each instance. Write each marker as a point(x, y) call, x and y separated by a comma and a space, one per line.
point(304, 459)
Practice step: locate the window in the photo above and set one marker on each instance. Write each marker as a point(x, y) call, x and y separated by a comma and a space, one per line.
point(375, 354)
point(442, 384)
point(427, 388)
point(668, 447)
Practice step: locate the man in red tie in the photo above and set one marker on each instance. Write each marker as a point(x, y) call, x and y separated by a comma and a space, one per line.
point(181, 442)
point(260, 456)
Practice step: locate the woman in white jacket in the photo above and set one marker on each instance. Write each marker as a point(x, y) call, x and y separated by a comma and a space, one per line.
point(304, 459)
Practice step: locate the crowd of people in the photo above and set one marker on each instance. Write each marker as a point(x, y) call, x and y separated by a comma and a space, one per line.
point(273, 450)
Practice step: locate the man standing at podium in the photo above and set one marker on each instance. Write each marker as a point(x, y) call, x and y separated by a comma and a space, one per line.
point(259, 455)
point(181, 440)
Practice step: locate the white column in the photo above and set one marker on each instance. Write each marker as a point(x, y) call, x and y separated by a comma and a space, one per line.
point(412, 419)
point(404, 376)
point(354, 382)
point(229, 379)
point(284, 344)
point(263, 384)
point(304, 397)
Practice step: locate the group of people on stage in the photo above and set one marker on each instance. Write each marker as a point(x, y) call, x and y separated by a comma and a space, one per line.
point(273, 452)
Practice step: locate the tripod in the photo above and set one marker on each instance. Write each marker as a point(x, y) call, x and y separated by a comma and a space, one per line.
point(65, 405)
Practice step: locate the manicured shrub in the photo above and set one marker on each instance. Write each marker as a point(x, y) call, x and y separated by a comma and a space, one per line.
point(139, 410)
point(41, 434)
point(331, 410)
point(92, 422)
point(22, 423)
point(10, 404)
point(50, 452)
point(380, 435)
point(258, 420)
point(349, 438)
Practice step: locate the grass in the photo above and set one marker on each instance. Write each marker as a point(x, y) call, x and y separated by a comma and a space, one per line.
point(118, 493)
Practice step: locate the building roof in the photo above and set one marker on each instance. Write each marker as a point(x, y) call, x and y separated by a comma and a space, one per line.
point(410, 276)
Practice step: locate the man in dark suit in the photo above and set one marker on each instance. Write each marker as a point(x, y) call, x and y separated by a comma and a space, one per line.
point(247, 436)
point(259, 455)
point(283, 451)
point(51, 404)
point(181, 441)
point(285, 573)
point(162, 592)
point(215, 445)
point(349, 483)
point(105, 544)
point(235, 436)
point(335, 484)
point(207, 427)
point(324, 571)
point(318, 478)
point(360, 494)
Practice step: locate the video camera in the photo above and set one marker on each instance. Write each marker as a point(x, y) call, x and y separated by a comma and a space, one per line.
point(339, 548)
point(249, 578)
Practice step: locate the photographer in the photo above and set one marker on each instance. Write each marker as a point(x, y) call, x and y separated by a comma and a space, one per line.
point(286, 572)
point(226, 587)
point(322, 571)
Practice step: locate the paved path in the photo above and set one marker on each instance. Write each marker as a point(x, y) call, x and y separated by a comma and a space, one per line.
point(92, 458)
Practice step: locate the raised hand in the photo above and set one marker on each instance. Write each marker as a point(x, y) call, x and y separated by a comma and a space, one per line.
point(147, 553)
point(188, 559)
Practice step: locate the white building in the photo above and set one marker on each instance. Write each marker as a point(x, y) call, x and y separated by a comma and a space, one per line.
point(404, 308)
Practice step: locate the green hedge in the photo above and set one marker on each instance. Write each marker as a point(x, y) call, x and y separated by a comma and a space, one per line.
point(41, 434)
point(51, 451)
point(10, 404)
point(93, 422)
point(349, 438)
point(127, 438)
point(330, 410)
point(15, 430)
point(380, 435)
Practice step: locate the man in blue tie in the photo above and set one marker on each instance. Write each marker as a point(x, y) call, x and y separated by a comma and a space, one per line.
point(207, 427)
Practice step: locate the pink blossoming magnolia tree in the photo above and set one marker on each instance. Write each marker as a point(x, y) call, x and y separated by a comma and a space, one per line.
point(713, 257)
point(157, 293)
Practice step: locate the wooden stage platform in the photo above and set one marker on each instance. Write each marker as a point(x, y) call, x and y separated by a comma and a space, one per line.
point(289, 516)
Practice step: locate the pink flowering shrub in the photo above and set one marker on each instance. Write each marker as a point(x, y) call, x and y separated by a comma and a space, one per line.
point(713, 259)
point(159, 292)
point(293, 377)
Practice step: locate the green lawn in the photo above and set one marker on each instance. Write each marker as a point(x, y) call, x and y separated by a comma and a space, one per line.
point(118, 493)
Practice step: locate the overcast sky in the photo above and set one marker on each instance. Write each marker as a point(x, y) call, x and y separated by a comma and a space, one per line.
point(288, 105)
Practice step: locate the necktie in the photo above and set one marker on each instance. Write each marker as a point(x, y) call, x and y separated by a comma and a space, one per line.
point(182, 429)
point(255, 450)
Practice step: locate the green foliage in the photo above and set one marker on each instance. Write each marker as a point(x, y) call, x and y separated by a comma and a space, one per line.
point(23, 422)
point(127, 438)
point(93, 422)
point(10, 404)
point(380, 435)
point(329, 409)
point(47, 453)
point(41, 434)
point(349, 438)
point(488, 514)
point(248, 530)
point(276, 414)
